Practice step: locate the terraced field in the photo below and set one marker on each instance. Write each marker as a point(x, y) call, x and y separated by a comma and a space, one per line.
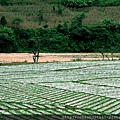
point(60, 91)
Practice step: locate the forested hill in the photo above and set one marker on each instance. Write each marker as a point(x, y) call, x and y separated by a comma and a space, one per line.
point(60, 25)
point(36, 13)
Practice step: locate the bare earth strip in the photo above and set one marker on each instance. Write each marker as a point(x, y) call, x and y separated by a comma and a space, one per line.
point(50, 57)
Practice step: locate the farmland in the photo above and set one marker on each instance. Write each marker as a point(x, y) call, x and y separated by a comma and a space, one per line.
point(59, 88)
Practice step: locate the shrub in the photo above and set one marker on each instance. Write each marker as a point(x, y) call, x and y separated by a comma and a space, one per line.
point(3, 21)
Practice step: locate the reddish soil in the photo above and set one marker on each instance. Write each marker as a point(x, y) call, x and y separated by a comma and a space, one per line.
point(48, 57)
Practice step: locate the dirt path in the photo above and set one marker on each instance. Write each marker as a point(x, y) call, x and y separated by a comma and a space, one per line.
point(48, 57)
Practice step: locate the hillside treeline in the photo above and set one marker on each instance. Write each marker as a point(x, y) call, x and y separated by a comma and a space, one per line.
point(67, 3)
point(63, 38)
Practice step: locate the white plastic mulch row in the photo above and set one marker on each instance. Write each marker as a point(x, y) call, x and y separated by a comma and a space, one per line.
point(65, 88)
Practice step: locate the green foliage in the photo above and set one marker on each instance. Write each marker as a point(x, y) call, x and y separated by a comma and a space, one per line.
point(77, 38)
point(77, 59)
point(4, 2)
point(20, 2)
point(23, 38)
point(96, 2)
point(105, 39)
point(109, 24)
point(7, 40)
point(16, 22)
point(87, 3)
point(46, 26)
point(63, 28)
point(67, 3)
point(53, 41)
point(3, 21)
point(60, 10)
point(76, 29)
point(108, 2)
point(40, 16)
point(74, 3)
point(77, 21)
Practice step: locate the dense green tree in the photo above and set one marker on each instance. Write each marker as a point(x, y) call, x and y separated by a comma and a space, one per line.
point(76, 25)
point(63, 28)
point(77, 21)
point(110, 24)
point(3, 21)
point(7, 40)
point(4, 2)
point(96, 2)
point(23, 38)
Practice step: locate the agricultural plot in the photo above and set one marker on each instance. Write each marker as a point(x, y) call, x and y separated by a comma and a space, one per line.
point(52, 91)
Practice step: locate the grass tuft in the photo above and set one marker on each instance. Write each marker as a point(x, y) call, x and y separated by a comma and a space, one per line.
point(76, 59)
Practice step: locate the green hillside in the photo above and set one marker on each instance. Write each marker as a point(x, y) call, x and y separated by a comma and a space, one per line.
point(54, 12)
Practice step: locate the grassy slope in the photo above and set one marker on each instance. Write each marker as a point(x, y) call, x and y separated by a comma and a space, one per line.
point(94, 15)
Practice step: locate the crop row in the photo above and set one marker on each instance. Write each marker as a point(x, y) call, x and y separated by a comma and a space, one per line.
point(62, 98)
point(59, 89)
point(55, 72)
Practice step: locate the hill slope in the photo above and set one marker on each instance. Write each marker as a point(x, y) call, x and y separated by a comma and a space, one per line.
point(54, 14)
